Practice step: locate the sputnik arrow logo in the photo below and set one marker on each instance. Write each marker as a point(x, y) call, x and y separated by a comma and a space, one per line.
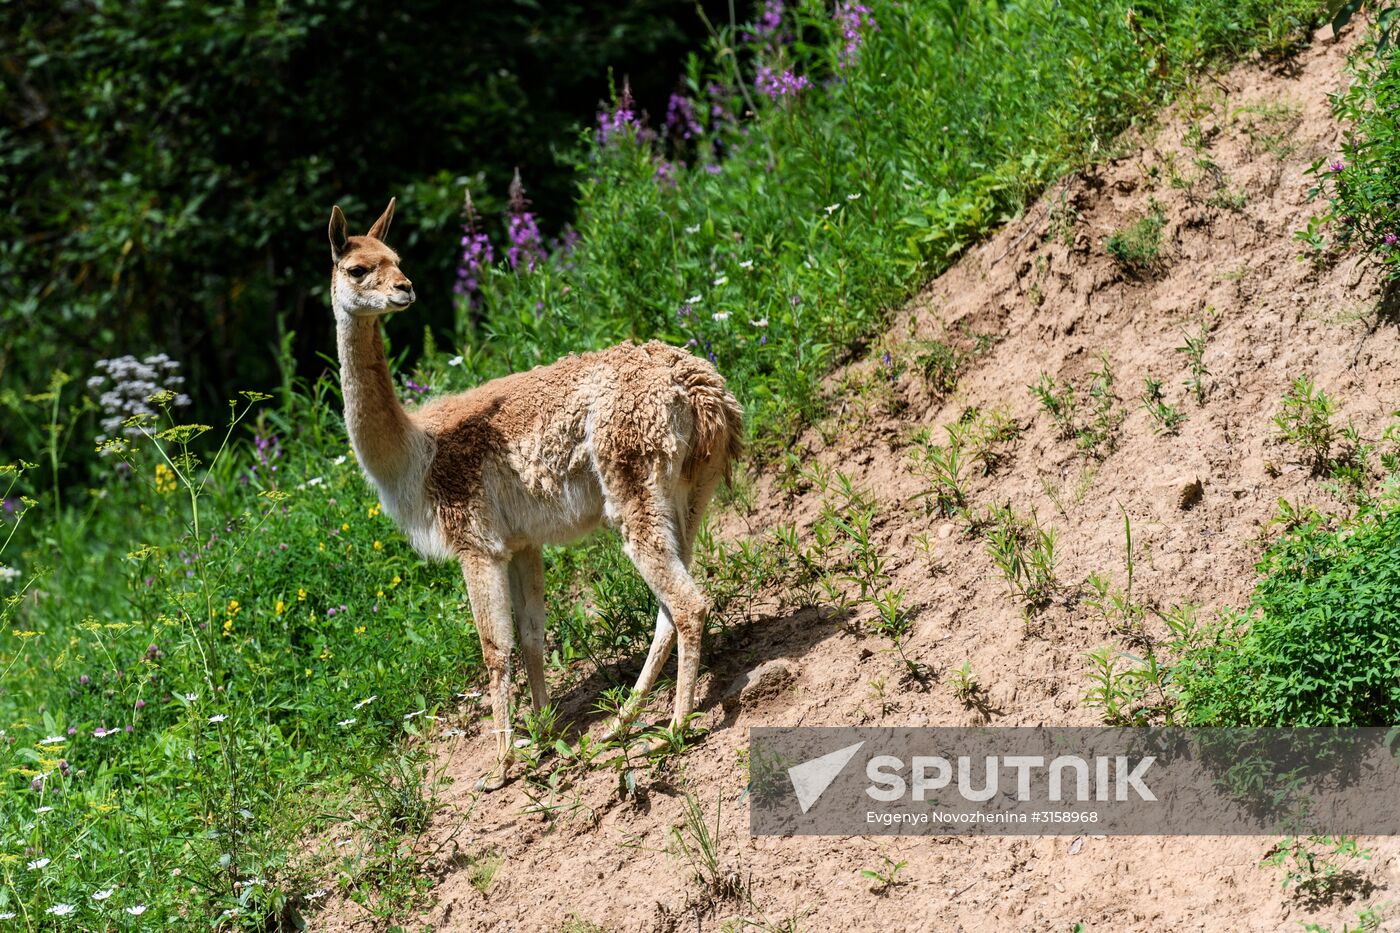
point(811, 778)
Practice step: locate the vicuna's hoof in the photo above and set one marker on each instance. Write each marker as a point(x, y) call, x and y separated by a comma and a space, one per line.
point(491, 782)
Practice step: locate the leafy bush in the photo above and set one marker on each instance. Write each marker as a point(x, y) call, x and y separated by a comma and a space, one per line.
point(1320, 643)
point(1362, 184)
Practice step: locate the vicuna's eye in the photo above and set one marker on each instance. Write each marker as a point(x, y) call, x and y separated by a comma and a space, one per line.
point(357, 271)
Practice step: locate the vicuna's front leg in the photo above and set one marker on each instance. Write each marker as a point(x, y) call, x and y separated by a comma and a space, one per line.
point(488, 589)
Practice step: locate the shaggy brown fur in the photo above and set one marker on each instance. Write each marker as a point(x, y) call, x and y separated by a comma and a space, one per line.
point(637, 437)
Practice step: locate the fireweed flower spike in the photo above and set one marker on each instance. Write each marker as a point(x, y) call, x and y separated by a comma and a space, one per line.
point(525, 241)
point(616, 124)
point(855, 19)
point(477, 254)
point(681, 122)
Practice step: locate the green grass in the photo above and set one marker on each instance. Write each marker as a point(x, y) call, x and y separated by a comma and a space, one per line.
point(235, 598)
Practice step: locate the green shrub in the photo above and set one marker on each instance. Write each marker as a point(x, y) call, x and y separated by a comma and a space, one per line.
point(1361, 184)
point(1320, 642)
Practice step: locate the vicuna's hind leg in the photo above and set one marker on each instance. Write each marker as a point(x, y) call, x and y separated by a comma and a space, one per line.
point(666, 569)
point(488, 589)
point(527, 596)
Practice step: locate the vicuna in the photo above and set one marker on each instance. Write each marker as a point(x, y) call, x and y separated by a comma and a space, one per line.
point(637, 437)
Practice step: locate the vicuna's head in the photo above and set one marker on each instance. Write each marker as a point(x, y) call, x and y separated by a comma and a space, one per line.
point(365, 276)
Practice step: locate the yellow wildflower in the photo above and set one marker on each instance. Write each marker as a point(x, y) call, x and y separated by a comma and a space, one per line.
point(281, 606)
point(165, 479)
point(379, 545)
point(301, 595)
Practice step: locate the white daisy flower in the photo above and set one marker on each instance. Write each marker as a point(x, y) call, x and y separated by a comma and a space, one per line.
point(455, 361)
point(414, 714)
point(693, 229)
point(61, 910)
point(693, 300)
point(191, 697)
point(339, 460)
point(453, 733)
point(136, 911)
point(316, 895)
point(853, 197)
point(101, 732)
point(746, 264)
point(8, 573)
point(219, 718)
point(367, 701)
point(103, 895)
point(721, 280)
point(44, 810)
point(831, 209)
point(7, 915)
point(37, 864)
point(347, 722)
point(53, 740)
point(761, 322)
point(720, 315)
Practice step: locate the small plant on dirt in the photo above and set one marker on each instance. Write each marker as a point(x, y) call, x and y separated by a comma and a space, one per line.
point(894, 621)
point(482, 869)
point(1166, 418)
point(1138, 248)
point(940, 364)
point(1319, 868)
point(1306, 422)
point(703, 851)
point(944, 465)
point(965, 685)
point(1368, 920)
point(886, 877)
point(1062, 218)
point(1099, 436)
point(1193, 348)
point(989, 433)
point(1024, 551)
point(1059, 403)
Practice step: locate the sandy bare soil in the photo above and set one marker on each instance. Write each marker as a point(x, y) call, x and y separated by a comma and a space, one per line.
point(1052, 301)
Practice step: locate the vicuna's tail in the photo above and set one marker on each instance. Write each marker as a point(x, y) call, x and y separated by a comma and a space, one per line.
point(719, 421)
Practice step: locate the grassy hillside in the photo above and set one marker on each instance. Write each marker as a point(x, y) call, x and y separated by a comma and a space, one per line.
point(223, 646)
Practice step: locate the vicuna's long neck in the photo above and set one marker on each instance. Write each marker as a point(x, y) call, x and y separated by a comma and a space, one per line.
point(385, 440)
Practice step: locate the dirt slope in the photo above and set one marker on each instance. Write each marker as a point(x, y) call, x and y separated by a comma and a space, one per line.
point(1053, 301)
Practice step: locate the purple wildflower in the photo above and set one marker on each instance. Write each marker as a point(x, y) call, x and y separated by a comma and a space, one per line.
point(37, 784)
point(10, 505)
point(684, 311)
point(84, 680)
point(665, 174)
point(524, 234)
point(477, 254)
point(140, 704)
point(769, 25)
point(1337, 166)
point(777, 85)
point(854, 19)
point(712, 168)
point(420, 389)
point(1389, 239)
point(63, 767)
point(621, 121)
point(680, 118)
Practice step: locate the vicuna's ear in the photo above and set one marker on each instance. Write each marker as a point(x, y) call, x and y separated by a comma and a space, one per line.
point(380, 230)
point(338, 234)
